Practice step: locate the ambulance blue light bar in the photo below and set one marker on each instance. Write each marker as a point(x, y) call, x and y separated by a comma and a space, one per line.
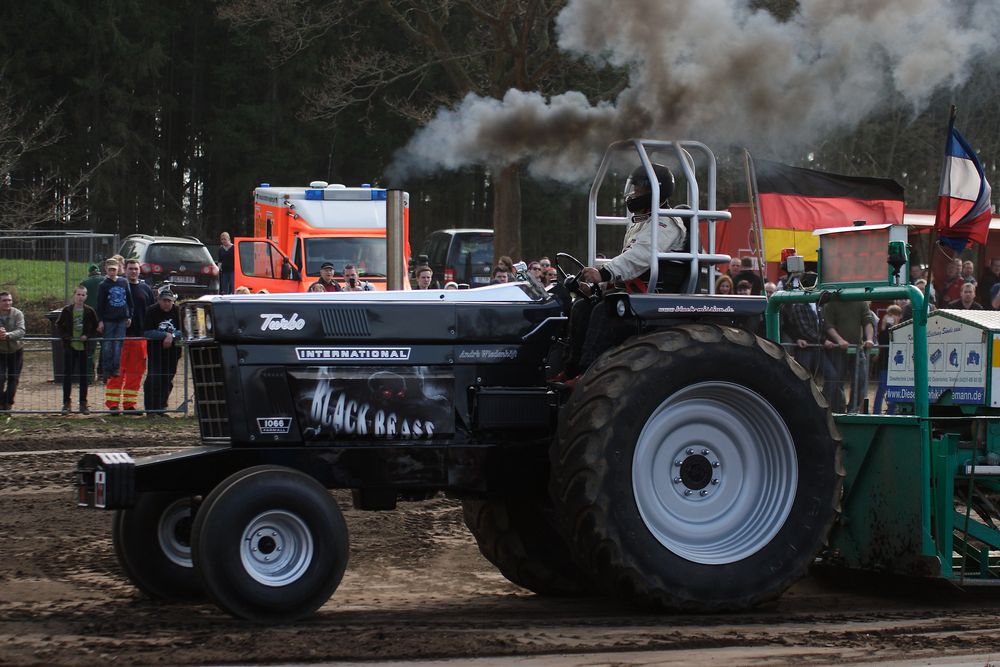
point(345, 194)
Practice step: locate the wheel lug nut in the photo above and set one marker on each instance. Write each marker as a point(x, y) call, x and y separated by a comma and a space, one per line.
point(690, 451)
point(274, 534)
point(715, 481)
point(705, 452)
point(703, 492)
point(677, 480)
point(715, 464)
point(687, 492)
point(678, 463)
point(260, 534)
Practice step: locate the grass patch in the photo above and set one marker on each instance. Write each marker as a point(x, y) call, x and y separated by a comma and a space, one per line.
point(40, 279)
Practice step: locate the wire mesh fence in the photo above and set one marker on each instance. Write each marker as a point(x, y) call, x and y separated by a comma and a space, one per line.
point(44, 264)
point(40, 384)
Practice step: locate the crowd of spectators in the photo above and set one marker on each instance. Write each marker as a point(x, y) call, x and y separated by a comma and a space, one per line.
point(819, 336)
point(133, 329)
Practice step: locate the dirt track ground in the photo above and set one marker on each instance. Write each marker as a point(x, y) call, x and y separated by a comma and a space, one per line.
point(416, 588)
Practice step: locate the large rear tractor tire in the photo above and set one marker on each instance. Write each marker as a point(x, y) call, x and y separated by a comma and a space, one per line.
point(270, 544)
point(520, 538)
point(152, 541)
point(696, 469)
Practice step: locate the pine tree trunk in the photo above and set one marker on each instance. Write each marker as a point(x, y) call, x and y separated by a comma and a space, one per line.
point(507, 212)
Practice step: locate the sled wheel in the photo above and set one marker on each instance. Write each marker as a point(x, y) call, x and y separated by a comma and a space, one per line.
point(152, 542)
point(696, 468)
point(520, 538)
point(270, 544)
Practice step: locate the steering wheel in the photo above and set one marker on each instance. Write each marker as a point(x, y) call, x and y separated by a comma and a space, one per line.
point(563, 272)
point(572, 281)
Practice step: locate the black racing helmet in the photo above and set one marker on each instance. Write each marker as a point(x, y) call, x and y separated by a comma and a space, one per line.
point(639, 191)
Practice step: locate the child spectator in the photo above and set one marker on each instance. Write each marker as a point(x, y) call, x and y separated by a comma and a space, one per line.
point(76, 325)
point(114, 309)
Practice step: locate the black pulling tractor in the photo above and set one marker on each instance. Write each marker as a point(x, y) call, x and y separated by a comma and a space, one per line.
point(693, 466)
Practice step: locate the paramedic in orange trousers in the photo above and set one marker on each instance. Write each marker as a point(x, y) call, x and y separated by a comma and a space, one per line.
point(123, 388)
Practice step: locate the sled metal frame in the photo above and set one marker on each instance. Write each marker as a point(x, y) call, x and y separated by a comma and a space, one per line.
point(684, 152)
point(899, 512)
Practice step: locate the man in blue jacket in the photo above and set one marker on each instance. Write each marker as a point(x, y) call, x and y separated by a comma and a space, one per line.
point(114, 309)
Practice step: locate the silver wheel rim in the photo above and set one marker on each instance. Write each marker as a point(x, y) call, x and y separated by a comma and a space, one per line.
point(276, 548)
point(714, 473)
point(174, 532)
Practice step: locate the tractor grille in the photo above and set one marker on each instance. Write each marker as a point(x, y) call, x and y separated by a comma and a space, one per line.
point(345, 322)
point(209, 393)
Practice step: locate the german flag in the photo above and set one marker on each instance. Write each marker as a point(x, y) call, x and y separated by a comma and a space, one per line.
point(795, 201)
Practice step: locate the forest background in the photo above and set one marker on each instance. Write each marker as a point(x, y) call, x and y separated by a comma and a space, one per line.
point(128, 116)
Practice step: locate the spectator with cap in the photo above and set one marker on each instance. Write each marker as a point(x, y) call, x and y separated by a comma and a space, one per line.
point(326, 279)
point(91, 282)
point(114, 308)
point(163, 324)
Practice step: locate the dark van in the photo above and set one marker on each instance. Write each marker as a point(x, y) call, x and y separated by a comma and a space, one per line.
point(460, 255)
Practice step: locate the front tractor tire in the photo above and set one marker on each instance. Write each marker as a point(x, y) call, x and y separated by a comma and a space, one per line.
point(696, 469)
point(152, 541)
point(270, 544)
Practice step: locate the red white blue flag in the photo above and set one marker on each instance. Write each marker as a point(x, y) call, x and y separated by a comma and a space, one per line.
point(964, 206)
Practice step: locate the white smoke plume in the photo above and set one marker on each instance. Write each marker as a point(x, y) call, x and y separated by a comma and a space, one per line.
point(719, 72)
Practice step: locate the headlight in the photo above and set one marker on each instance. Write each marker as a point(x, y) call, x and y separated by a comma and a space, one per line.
point(196, 322)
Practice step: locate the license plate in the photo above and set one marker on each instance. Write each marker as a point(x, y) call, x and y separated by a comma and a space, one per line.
point(183, 279)
point(480, 280)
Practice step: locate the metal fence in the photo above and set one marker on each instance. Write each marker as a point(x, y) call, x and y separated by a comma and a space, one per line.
point(49, 263)
point(40, 385)
point(861, 378)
